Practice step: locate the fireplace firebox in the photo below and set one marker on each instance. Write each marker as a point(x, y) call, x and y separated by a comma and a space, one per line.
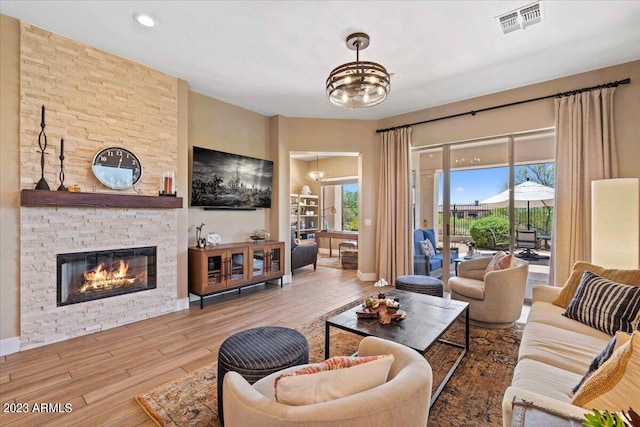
point(86, 276)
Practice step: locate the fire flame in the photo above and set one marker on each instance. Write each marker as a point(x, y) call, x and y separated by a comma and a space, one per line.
point(100, 278)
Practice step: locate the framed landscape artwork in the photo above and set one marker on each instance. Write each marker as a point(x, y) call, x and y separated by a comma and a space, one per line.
point(222, 180)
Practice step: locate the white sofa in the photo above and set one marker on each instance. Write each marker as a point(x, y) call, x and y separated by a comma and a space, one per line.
point(555, 353)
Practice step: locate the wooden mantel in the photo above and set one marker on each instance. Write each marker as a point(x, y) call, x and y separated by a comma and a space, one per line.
point(67, 199)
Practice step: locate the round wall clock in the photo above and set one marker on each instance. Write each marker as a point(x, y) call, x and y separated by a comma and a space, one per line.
point(117, 168)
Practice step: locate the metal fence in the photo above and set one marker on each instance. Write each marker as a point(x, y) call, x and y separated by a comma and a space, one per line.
point(462, 216)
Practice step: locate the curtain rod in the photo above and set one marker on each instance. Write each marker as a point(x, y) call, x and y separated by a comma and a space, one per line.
point(473, 112)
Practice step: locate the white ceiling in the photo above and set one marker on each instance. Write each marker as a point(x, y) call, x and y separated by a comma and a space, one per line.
point(273, 57)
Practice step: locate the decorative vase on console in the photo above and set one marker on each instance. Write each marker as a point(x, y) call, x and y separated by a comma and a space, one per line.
point(201, 242)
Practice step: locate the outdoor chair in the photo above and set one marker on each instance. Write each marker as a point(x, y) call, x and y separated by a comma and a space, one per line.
point(527, 240)
point(426, 265)
point(499, 245)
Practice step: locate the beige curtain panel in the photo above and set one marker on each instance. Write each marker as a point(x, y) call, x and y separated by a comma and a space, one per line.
point(394, 257)
point(585, 151)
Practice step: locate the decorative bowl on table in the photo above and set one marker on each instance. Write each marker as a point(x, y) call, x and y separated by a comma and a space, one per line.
point(385, 310)
point(259, 234)
point(367, 313)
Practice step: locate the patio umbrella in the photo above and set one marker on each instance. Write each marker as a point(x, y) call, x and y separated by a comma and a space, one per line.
point(528, 195)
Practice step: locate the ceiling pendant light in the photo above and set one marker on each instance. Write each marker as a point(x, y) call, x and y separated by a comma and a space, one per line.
point(359, 84)
point(316, 175)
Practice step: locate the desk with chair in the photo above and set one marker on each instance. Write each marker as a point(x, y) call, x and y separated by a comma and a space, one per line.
point(336, 234)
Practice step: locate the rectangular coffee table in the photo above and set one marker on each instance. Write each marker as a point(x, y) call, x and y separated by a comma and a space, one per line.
point(428, 318)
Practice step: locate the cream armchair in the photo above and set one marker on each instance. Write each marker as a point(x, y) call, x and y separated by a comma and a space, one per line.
point(403, 400)
point(495, 301)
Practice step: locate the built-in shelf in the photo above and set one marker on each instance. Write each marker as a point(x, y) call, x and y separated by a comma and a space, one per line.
point(67, 199)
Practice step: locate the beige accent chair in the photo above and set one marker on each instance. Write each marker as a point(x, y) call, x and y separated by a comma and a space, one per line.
point(495, 301)
point(403, 400)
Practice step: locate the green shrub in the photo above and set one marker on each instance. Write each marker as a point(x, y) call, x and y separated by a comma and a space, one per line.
point(480, 231)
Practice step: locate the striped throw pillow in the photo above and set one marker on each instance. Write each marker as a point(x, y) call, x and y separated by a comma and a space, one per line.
point(605, 305)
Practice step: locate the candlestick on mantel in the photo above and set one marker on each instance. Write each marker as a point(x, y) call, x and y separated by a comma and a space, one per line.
point(42, 184)
point(62, 187)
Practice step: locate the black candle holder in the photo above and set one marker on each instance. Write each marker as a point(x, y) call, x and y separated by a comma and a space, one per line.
point(62, 187)
point(42, 184)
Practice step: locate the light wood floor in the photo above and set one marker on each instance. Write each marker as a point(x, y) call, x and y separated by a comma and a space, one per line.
point(100, 374)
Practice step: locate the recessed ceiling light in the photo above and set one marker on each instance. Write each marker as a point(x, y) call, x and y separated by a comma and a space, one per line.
point(145, 19)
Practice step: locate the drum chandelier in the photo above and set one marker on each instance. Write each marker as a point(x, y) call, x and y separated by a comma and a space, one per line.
point(359, 84)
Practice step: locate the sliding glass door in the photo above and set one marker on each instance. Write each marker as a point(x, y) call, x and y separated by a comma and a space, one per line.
point(476, 172)
point(463, 192)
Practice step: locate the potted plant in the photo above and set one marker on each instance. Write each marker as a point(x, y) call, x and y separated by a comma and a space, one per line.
point(608, 419)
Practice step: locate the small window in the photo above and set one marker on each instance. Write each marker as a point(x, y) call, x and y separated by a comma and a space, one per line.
point(344, 197)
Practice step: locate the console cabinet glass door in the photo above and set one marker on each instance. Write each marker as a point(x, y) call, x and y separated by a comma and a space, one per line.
point(258, 258)
point(236, 267)
point(276, 260)
point(225, 268)
point(266, 261)
point(215, 272)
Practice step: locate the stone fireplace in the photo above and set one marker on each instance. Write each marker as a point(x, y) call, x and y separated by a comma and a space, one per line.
point(49, 232)
point(86, 276)
point(93, 100)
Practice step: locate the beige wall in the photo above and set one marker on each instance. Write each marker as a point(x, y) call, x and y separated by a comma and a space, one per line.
point(220, 126)
point(337, 167)
point(182, 188)
point(297, 171)
point(9, 177)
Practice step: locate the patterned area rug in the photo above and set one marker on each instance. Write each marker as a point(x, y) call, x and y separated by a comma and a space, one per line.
point(473, 396)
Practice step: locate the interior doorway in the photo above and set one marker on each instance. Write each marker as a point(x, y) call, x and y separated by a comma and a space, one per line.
point(339, 204)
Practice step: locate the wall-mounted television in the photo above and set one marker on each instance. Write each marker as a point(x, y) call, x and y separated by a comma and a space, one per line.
point(222, 180)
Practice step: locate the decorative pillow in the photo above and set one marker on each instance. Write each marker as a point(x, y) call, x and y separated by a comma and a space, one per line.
point(605, 305)
point(500, 261)
point(427, 248)
point(618, 339)
point(332, 379)
point(614, 386)
point(626, 277)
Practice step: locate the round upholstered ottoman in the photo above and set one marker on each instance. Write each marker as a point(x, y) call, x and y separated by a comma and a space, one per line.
point(420, 284)
point(258, 352)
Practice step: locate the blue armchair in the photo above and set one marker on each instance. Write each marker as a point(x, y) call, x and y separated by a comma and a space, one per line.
point(428, 265)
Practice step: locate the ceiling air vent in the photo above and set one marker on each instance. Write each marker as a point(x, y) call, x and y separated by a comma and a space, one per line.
point(509, 22)
point(520, 18)
point(530, 15)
